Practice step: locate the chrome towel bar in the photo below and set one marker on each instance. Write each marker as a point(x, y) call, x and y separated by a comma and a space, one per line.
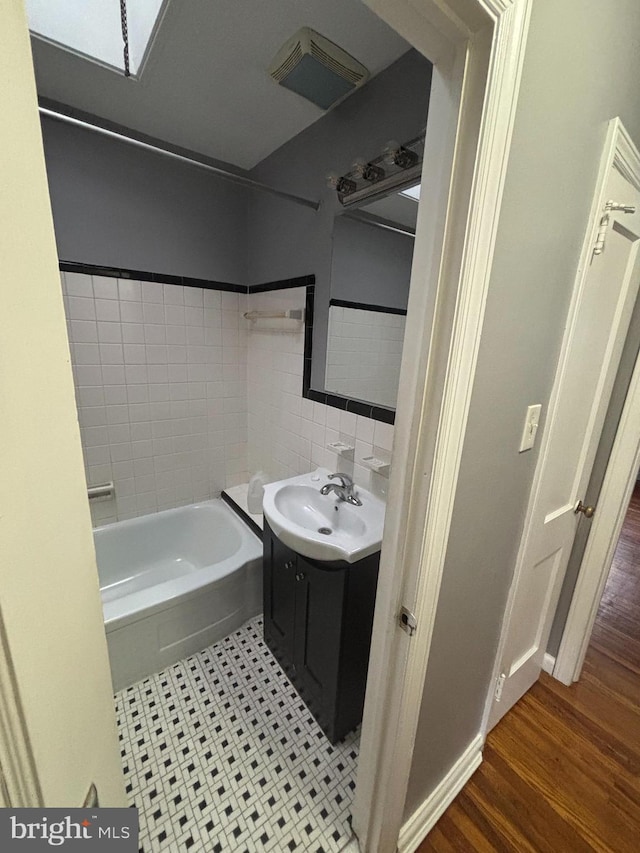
point(105, 490)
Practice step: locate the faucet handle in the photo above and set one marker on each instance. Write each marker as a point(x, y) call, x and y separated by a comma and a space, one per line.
point(346, 483)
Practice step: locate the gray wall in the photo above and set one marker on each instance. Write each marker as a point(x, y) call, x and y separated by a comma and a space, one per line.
point(115, 205)
point(370, 264)
point(287, 240)
point(582, 68)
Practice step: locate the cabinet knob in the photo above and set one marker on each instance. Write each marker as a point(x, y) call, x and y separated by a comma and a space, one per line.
point(288, 564)
point(299, 576)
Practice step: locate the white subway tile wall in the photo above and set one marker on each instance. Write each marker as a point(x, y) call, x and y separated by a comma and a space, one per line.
point(289, 434)
point(180, 397)
point(364, 353)
point(160, 375)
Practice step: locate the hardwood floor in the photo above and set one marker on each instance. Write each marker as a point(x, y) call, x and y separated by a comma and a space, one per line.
point(561, 771)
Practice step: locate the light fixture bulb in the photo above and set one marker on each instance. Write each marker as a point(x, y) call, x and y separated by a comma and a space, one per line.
point(341, 184)
point(346, 186)
point(397, 155)
point(358, 167)
point(405, 158)
point(367, 171)
point(390, 151)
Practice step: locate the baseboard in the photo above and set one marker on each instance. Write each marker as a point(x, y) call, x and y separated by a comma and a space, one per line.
point(426, 816)
point(548, 663)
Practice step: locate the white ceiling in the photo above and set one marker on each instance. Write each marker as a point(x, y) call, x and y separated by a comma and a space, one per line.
point(205, 85)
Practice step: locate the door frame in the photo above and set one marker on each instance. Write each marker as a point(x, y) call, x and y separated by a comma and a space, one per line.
point(477, 47)
point(54, 741)
point(619, 152)
point(618, 483)
point(18, 776)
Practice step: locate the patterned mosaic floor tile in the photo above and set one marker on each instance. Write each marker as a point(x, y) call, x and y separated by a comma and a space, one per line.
point(220, 754)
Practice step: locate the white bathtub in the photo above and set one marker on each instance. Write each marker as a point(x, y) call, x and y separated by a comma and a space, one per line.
point(174, 582)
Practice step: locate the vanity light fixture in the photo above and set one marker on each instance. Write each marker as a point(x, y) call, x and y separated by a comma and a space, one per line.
point(367, 171)
point(397, 155)
point(397, 167)
point(342, 184)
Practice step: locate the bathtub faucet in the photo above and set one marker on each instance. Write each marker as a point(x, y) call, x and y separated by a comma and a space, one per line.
point(344, 491)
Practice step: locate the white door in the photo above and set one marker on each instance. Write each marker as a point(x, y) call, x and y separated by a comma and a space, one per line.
point(57, 721)
point(595, 335)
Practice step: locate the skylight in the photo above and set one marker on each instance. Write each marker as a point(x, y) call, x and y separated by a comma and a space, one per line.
point(412, 192)
point(93, 29)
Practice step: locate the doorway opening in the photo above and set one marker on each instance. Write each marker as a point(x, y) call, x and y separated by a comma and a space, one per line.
point(615, 631)
point(479, 151)
point(181, 396)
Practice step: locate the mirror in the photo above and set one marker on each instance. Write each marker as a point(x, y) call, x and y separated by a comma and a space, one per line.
point(364, 350)
point(370, 275)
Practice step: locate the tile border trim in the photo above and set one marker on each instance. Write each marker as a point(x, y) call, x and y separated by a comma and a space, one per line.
point(337, 401)
point(242, 515)
point(365, 306)
point(144, 275)
point(186, 281)
point(283, 284)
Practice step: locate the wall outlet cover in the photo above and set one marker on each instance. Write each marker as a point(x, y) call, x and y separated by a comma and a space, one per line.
point(530, 427)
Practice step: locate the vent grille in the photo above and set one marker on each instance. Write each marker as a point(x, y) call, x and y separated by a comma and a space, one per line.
point(317, 69)
point(337, 67)
point(289, 63)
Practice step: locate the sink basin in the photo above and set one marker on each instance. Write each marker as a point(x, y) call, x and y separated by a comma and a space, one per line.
point(323, 527)
point(308, 508)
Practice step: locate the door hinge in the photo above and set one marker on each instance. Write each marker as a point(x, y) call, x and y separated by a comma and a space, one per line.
point(91, 800)
point(407, 621)
point(4, 788)
point(601, 234)
point(499, 685)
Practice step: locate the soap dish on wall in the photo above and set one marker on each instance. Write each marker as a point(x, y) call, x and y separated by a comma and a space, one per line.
point(377, 465)
point(341, 448)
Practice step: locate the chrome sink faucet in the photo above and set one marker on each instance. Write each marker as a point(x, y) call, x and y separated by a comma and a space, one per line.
point(344, 491)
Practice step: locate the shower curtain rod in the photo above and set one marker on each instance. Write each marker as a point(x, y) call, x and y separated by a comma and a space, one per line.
point(399, 229)
point(156, 149)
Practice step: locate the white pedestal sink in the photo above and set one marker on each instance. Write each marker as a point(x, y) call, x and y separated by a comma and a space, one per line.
point(323, 527)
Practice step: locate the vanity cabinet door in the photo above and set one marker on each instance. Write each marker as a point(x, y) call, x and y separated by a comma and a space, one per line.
point(317, 623)
point(279, 596)
point(318, 637)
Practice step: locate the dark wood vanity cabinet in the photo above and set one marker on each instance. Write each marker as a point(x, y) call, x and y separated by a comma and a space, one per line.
point(317, 623)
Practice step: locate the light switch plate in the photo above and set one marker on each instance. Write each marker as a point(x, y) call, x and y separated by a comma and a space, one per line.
point(530, 428)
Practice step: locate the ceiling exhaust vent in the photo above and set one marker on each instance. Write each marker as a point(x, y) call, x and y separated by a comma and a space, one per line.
point(317, 69)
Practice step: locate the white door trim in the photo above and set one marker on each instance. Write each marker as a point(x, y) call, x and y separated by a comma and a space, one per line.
point(20, 781)
point(620, 152)
point(615, 494)
point(453, 266)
